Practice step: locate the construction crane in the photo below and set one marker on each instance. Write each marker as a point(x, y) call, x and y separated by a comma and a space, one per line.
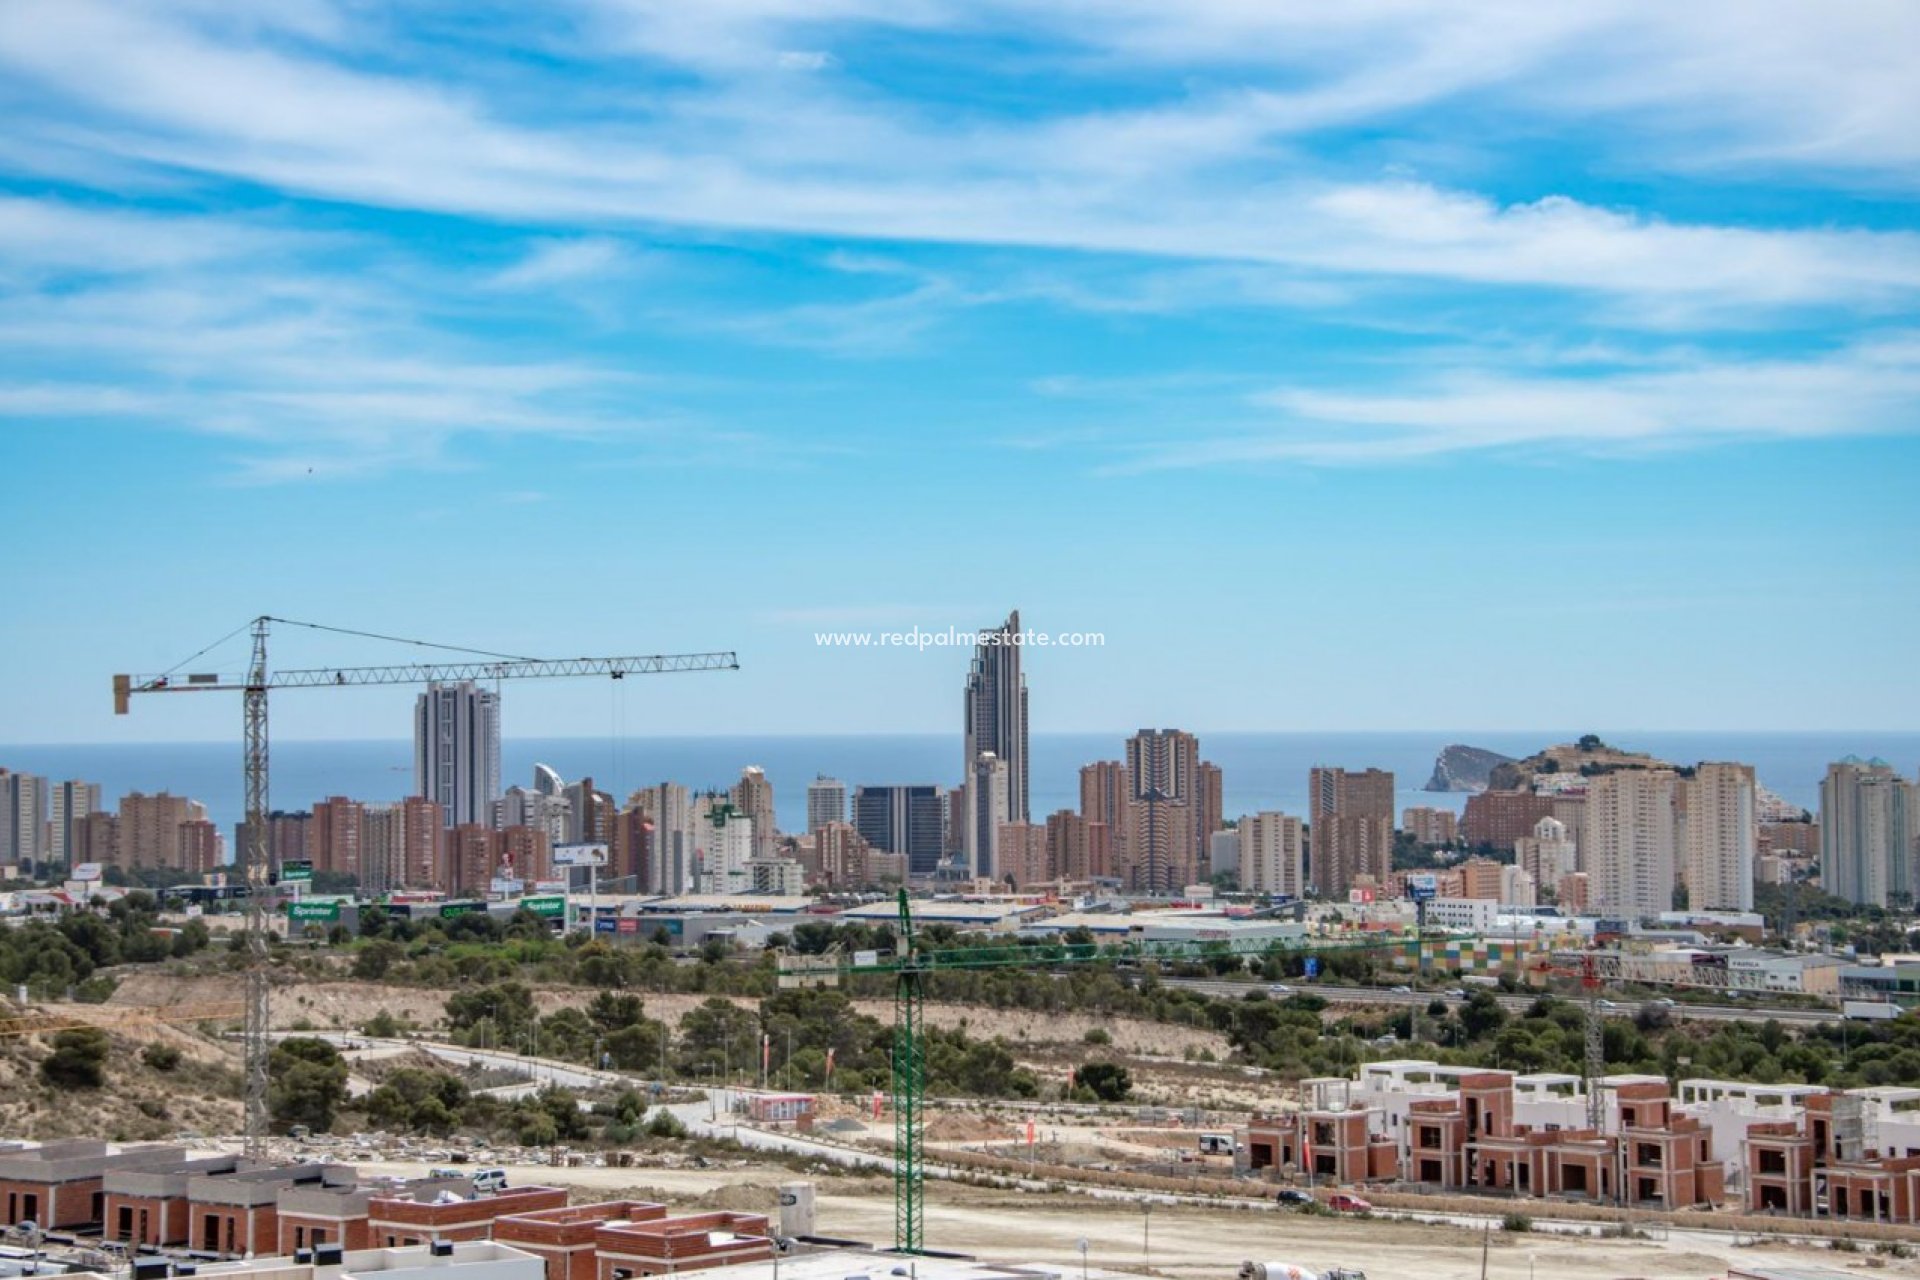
point(253, 687)
point(912, 963)
point(1587, 971)
point(30, 1023)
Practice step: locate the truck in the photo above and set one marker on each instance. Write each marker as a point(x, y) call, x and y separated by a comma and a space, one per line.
point(1216, 1144)
point(1869, 1010)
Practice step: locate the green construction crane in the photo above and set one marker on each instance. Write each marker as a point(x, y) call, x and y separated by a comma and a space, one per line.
point(909, 1087)
point(909, 965)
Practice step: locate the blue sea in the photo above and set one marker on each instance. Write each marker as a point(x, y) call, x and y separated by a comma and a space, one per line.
point(1260, 770)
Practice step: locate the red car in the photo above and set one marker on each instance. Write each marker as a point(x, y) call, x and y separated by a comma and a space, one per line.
point(1341, 1202)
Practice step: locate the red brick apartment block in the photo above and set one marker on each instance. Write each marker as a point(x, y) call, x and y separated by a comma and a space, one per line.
point(669, 1246)
point(150, 1205)
point(332, 1213)
point(566, 1238)
point(393, 1221)
point(239, 1213)
point(1330, 1145)
point(58, 1185)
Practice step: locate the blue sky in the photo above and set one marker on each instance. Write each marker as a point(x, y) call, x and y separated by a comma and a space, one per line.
point(1382, 365)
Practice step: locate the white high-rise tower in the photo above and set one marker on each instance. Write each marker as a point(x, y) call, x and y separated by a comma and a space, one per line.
point(456, 751)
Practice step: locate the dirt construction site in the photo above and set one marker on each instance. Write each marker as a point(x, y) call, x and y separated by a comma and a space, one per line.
point(1195, 1241)
point(1131, 1181)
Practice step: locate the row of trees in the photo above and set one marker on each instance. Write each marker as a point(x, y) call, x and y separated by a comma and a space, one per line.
point(51, 957)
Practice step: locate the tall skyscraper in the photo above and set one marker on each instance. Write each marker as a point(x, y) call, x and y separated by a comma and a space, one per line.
point(1351, 819)
point(903, 819)
point(589, 813)
point(989, 807)
point(996, 711)
point(23, 819)
point(1170, 795)
point(1869, 832)
point(1273, 850)
point(71, 803)
point(456, 751)
point(753, 796)
point(826, 802)
point(1632, 841)
point(1719, 839)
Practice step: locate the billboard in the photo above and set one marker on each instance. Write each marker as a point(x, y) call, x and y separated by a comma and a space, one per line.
point(86, 872)
point(448, 910)
point(296, 871)
point(1423, 888)
point(545, 905)
point(580, 855)
point(311, 912)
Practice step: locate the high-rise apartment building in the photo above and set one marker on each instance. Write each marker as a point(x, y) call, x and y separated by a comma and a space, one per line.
point(1549, 855)
point(1172, 807)
point(589, 813)
point(826, 802)
point(551, 812)
point(1869, 832)
point(753, 796)
point(673, 866)
point(71, 802)
point(1022, 851)
point(1632, 842)
point(198, 847)
point(1351, 835)
point(1104, 797)
point(1430, 826)
point(456, 751)
point(995, 711)
point(725, 836)
point(150, 829)
point(96, 839)
point(989, 807)
point(403, 846)
point(903, 819)
point(842, 855)
point(473, 851)
point(1223, 853)
point(335, 836)
point(1079, 849)
point(1273, 849)
point(526, 855)
point(23, 819)
point(1718, 841)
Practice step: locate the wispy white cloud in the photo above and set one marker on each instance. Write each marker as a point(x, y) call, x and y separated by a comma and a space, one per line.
point(1195, 176)
point(1867, 389)
point(554, 262)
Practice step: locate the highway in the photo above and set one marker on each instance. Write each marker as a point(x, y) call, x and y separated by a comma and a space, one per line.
point(1742, 1012)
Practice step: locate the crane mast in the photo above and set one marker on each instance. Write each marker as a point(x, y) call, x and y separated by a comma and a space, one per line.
point(255, 858)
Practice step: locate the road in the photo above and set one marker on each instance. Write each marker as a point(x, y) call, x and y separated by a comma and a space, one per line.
point(1753, 1012)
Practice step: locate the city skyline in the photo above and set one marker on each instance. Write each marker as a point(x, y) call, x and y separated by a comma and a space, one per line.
point(1576, 335)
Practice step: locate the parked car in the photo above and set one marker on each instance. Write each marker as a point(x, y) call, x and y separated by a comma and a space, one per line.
point(1292, 1198)
point(1342, 1202)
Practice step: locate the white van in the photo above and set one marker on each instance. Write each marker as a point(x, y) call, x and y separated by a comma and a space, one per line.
point(490, 1181)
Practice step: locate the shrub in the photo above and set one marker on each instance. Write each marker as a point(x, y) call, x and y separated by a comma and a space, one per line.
point(1096, 1035)
point(161, 1057)
point(79, 1059)
point(1516, 1222)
